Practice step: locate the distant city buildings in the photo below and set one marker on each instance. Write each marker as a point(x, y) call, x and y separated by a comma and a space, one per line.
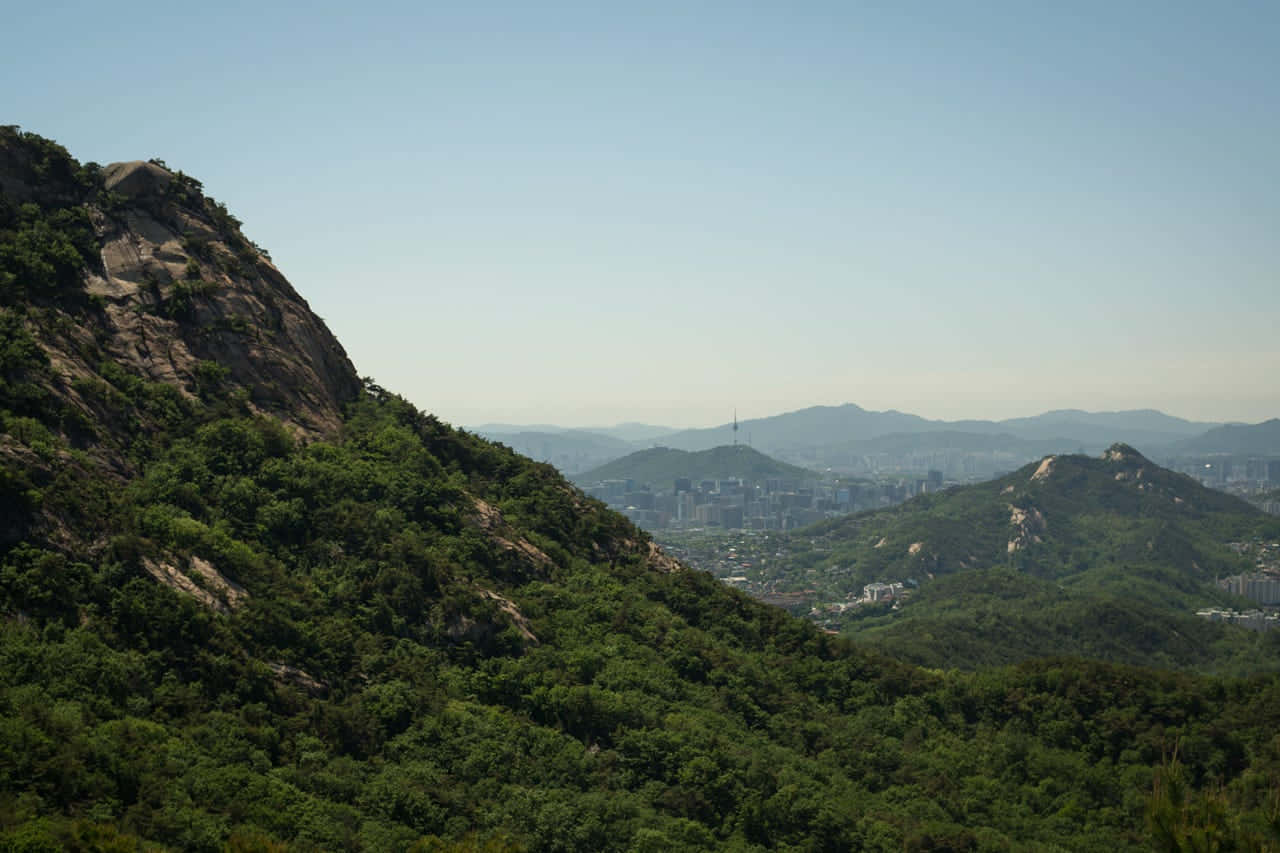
point(1254, 478)
point(1237, 474)
point(735, 503)
point(876, 592)
point(1259, 588)
point(1254, 620)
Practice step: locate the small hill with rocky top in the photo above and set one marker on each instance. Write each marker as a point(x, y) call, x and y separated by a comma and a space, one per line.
point(1040, 552)
point(660, 466)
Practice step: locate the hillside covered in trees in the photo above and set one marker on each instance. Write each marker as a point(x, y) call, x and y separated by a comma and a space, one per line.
point(1102, 557)
point(248, 602)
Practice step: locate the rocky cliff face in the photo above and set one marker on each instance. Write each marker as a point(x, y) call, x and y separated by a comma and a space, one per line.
point(170, 289)
point(138, 326)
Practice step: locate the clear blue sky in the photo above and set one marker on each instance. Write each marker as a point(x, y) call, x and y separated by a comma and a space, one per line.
point(585, 213)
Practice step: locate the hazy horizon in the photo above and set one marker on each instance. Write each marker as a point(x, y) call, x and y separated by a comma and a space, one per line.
point(540, 417)
point(581, 215)
point(588, 427)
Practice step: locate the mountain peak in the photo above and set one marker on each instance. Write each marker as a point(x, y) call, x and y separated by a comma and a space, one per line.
point(137, 179)
point(1121, 452)
point(658, 465)
point(142, 270)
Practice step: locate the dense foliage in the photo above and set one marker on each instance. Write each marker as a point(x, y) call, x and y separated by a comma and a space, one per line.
point(1097, 557)
point(997, 616)
point(370, 693)
point(214, 635)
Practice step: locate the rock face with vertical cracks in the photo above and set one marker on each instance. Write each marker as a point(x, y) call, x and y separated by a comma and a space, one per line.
point(221, 300)
point(178, 295)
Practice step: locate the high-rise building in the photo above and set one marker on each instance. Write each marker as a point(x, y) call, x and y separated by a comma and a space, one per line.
point(639, 500)
point(1263, 589)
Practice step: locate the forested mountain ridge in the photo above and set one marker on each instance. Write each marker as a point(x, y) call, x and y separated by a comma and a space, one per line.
point(660, 466)
point(317, 618)
point(1099, 556)
point(1261, 438)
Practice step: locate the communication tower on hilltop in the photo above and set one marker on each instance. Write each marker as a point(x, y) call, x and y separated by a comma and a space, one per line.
point(735, 427)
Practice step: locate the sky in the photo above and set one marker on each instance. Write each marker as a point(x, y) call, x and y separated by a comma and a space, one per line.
point(589, 213)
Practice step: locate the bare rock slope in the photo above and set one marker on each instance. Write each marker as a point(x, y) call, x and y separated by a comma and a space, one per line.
point(178, 295)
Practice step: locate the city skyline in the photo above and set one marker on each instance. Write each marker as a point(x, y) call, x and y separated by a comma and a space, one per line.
point(578, 214)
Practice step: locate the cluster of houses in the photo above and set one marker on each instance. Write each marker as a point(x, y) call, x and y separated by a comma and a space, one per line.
point(1254, 620)
point(1262, 587)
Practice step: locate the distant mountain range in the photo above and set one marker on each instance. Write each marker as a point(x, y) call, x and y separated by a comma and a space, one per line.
point(954, 440)
point(821, 437)
point(662, 465)
point(823, 426)
point(1246, 439)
